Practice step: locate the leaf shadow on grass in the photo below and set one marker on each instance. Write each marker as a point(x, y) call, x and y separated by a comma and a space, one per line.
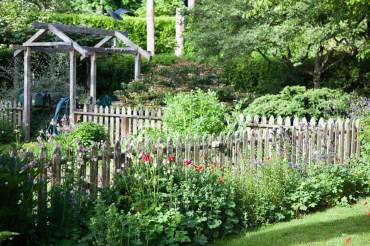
point(306, 234)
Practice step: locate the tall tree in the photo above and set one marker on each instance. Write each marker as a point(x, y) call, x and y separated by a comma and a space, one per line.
point(150, 29)
point(310, 36)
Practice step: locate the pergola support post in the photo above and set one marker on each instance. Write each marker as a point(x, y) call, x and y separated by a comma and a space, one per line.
point(93, 77)
point(72, 86)
point(27, 95)
point(137, 66)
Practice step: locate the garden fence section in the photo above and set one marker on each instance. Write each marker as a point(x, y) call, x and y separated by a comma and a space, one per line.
point(120, 121)
point(10, 113)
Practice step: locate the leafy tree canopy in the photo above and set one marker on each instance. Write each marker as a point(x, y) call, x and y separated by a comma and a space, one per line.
point(312, 36)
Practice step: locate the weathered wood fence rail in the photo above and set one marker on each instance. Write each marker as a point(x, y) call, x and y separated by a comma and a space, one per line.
point(10, 113)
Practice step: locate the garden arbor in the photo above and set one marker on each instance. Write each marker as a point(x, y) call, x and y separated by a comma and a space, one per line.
point(68, 45)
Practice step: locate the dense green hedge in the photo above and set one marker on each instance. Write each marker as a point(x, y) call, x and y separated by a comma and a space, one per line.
point(135, 26)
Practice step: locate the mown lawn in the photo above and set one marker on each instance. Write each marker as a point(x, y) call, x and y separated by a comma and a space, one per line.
point(336, 226)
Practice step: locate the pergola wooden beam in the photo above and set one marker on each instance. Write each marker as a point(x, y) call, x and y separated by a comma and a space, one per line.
point(103, 41)
point(47, 44)
point(61, 48)
point(128, 42)
point(75, 29)
point(65, 38)
point(34, 37)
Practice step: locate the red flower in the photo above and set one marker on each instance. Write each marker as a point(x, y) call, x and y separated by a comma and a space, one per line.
point(368, 214)
point(170, 158)
point(146, 158)
point(268, 158)
point(187, 162)
point(200, 167)
point(348, 240)
point(221, 179)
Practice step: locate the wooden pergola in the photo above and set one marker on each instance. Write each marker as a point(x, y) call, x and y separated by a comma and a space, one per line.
point(68, 45)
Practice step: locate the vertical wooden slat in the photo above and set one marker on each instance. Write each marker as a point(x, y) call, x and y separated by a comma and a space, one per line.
point(84, 110)
point(312, 151)
point(330, 142)
point(187, 147)
point(159, 151)
point(353, 138)
point(178, 150)
point(94, 170)
point(105, 165)
point(56, 166)
point(253, 146)
point(347, 139)
point(117, 157)
point(358, 144)
point(42, 192)
point(341, 140)
point(205, 148)
point(196, 149)
point(222, 149)
point(245, 146)
point(170, 147)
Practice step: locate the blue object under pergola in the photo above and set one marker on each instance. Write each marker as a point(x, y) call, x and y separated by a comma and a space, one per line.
point(68, 45)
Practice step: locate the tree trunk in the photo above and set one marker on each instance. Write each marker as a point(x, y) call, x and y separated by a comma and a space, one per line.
point(180, 27)
point(191, 4)
point(150, 26)
point(317, 72)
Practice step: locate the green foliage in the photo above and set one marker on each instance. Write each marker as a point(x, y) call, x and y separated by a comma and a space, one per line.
point(162, 7)
point(167, 74)
point(87, 133)
point(194, 113)
point(326, 186)
point(255, 74)
point(365, 134)
point(264, 192)
point(7, 235)
point(306, 36)
point(165, 204)
point(135, 26)
point(301, 102)
point(7, 134)
point(16, 192)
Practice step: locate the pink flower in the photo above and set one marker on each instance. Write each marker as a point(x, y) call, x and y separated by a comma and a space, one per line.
point(170, 158)
point(200, 167)
point(187, 162)
point(146, 158)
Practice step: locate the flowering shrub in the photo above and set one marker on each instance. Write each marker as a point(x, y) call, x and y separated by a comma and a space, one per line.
point(165, 204)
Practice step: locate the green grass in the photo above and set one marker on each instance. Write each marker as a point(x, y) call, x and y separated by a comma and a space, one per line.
point(331, 227)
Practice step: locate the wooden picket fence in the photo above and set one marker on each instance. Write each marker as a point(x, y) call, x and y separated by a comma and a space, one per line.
point(298, 140)
point(120, 121)
point(10, 113)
